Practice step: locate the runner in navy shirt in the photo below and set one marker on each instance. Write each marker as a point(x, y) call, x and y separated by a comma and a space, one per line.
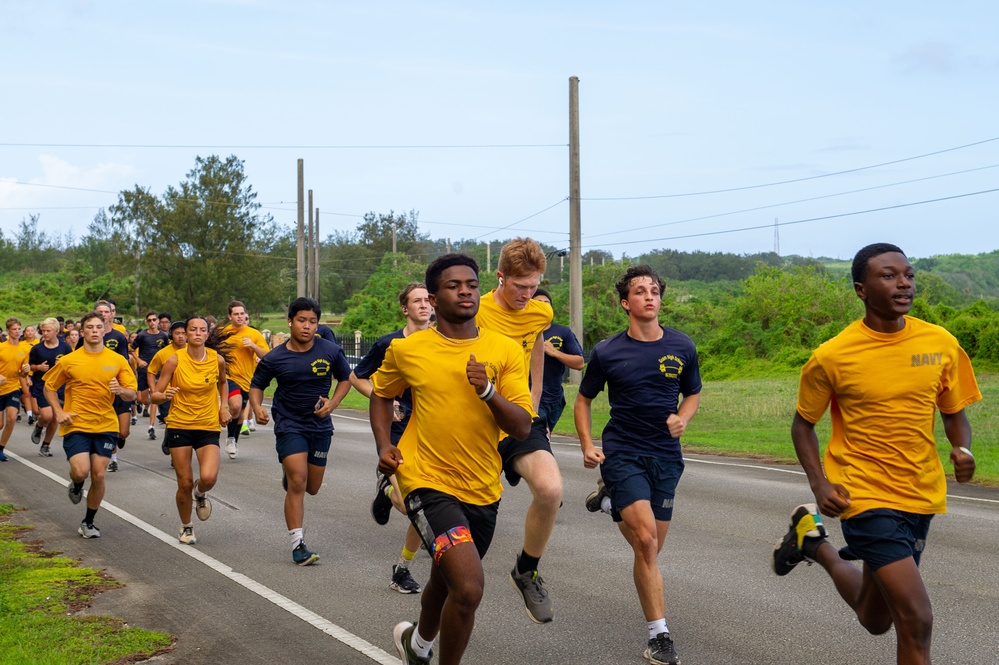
point(42, 358)
point(562, 350)
point(147, 343)
point(304, 367)
point(646, 369)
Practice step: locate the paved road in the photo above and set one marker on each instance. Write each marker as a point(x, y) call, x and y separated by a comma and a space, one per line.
point(235, 597)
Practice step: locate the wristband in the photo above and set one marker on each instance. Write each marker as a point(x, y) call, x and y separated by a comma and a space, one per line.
point(488, 393)
point(966, 452)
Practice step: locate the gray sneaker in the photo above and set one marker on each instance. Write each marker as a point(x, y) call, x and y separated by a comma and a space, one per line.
point(36, 434)
point(532, 588)
point(75, 495)
point(44, 451)
point(202, 506)
point(661, 652)
point(231, 449)
point(89, 530)
point(402, 636)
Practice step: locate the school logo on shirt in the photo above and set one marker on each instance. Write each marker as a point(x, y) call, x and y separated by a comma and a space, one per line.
point(111, 344)
point(492, 371)
point(321, 367)
point(671, 366)
point(556, 342)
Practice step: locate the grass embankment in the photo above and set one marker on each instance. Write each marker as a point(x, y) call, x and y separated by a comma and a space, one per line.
point(751, 418)
point(39, 594)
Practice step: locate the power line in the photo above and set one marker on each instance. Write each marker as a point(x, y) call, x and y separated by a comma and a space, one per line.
point(788, 182)
point(802, 221)
point(786, 203)
point(503, 228)
point(158, 146)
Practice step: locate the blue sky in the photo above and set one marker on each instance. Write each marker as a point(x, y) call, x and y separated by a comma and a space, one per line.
point(676, 99)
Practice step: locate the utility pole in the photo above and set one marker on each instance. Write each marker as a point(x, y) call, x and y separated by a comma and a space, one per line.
point(315, 261)
point(395, 261)
point(575, 234)
point(300, 258)
point(489, 256)
point(309, 265)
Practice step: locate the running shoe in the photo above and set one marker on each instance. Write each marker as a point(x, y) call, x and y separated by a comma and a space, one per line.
point(381, 507)
point(302, 556)
point(134, 420)
point(202, 506)
point(113, 466)
point(89, 530)
point(44, 451)
point(536, 600)
point(231, 448)
point(187, 535)
point(164, 447)
point(3, 458)
point(75, 495)
point(151, 433)
point(244, 430)
point(596, 497)
point(19, 417)
point(402, 581)
point(661, 651)
point(802, 539)
point(31, 420)
point(252, 424)
point(36, 434)
point(402, 636)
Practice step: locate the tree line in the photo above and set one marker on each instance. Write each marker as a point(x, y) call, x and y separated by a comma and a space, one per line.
point(206, 241)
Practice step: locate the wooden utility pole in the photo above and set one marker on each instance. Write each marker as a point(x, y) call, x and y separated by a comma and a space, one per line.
point(575, 234)
point(315, 262)
point(310, 266)
point(300, 258)
point(489, 256)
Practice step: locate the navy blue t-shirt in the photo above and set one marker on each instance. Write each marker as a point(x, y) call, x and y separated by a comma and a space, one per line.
point(644, 382)
point(324, 331)
point(40, 354)
point(148, 344)
point(563, 340)
point(302, 378)
point(369, 365)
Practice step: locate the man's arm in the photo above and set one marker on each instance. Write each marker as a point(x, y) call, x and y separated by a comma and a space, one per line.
point(832, 499)
point(677, 422)
point(569, 360)
point(582, 414)
point(256, 405)
point(380, 416)
point(362, 386)
point(537, 371)
point(512, 418)
point(958, 431)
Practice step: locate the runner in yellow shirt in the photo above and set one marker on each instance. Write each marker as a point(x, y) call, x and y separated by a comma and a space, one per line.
point(13, 369)
point(249, 346)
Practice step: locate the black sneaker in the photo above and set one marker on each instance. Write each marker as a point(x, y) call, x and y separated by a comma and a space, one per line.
point(113, 466)
point(151, 432)
point(802, 539)
point(402, 581)
point(596, 497)
point(536, 600)
point(402, 636)
point(165, 448)
point(75, 495)
point(36, 434)
point(31, 420)
point(381, 507)
point(302, 556)
point(661, 652)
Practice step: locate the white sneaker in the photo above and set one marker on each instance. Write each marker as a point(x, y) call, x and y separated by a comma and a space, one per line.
point(88, 530)
point(187, 535)
point(252, 425)
point(230, 447)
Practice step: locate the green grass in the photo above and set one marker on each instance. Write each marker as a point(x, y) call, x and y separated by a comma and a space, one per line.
point(40, 592)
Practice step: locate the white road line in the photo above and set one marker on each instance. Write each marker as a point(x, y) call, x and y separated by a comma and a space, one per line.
point(308, 616)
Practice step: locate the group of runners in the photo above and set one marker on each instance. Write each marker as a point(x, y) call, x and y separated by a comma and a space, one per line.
point(456, 405)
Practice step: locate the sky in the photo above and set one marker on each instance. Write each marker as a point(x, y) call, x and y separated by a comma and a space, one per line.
point(727, 126)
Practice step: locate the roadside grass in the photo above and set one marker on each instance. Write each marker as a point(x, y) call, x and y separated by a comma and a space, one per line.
point(39, 595)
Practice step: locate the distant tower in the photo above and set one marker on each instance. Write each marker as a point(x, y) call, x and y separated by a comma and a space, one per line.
point(776, 238)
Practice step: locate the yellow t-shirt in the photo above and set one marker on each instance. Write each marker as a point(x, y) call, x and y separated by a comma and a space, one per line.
point(244, 360)
point(196, 404)
point(450, 443)
point(12, 357)
point(120, 328)
point(884, 390)
point(87, 377)
point(521, 325)
point(164, 354)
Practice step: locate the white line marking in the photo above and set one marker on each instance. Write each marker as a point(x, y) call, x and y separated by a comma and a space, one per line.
point(308, 616)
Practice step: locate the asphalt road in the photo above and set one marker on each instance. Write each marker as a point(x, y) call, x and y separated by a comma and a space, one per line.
point(236, 597)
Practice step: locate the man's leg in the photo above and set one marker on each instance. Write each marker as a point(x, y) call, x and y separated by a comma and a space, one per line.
point(10, 418)
point(456, 595)
point(646, 536)
point(296, 471)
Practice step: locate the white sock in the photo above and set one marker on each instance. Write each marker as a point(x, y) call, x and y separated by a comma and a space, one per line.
point(297, 536)
point(114, 457)
point(421, 648)
point(605, 505)
point(656, 627)
point(197, 489)
point(29, 413)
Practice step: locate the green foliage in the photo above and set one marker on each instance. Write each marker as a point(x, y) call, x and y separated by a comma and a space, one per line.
point(375, 309)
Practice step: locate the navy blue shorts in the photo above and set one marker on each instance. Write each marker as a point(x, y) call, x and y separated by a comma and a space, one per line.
point(121, 406)
point(510, 448)
point(551, 411)
point(234, 388)
point(443, 521)
point(317, 444)
point(11, 401)
point(101, 443)
point(882, 536)
point(630, 479)
point(142, 378)
point(191, 438)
